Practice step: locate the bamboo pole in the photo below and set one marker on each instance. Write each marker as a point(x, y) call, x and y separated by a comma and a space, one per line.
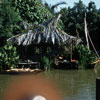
point(86, 31)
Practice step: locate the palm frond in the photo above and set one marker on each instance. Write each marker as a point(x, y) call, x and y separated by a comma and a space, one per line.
point(60, 3)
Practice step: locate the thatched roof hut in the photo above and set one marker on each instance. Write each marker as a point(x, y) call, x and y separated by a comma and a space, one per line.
point(46, 33)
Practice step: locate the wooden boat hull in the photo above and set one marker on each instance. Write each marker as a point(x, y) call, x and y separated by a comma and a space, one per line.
point(20, 73)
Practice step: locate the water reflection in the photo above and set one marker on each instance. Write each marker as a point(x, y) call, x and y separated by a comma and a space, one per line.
point(74, 84)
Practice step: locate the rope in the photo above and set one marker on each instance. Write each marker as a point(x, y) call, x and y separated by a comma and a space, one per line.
point(97, 62)
point(87, 35)
point(93, 45)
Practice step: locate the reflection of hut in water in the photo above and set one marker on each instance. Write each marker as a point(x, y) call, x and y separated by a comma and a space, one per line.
point(46, 35)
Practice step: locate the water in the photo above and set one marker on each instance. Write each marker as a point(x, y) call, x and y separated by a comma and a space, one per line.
point(73, 84)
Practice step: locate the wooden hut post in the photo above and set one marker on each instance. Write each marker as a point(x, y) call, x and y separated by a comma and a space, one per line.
point(71, 51)
point(98, 88)
point(97, 73)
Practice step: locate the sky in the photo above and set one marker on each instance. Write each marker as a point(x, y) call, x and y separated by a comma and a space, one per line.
point(71, 3)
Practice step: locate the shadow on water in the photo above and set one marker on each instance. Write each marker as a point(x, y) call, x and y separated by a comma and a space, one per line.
point(74, 84)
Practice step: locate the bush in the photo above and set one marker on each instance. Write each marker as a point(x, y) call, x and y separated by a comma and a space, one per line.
point(9, 21)
point(86, 56)
point(46, 63)
point(32, 11)
point(8, 57)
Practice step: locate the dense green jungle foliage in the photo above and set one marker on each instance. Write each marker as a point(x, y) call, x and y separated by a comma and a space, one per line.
point(85, 57)
point(14, 12)
point(46, 62)
point(73, 19)
point(8, 57)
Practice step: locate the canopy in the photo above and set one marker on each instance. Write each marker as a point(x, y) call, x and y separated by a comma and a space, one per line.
point(46, 33)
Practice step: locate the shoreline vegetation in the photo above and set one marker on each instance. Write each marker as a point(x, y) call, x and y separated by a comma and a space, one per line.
point(32, 32)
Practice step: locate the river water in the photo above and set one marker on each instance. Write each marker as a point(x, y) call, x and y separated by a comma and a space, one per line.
point(73, 84)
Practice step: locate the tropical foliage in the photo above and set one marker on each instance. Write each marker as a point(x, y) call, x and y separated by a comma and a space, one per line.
point(86, 57)
point(46, 62)
point(8, 57)
point(9, 21)
point(73, 20)
point(31, 11)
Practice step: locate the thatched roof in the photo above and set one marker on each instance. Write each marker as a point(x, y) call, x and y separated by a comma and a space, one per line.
point(46, 33)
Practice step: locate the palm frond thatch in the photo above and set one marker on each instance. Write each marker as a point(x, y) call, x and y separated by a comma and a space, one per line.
point(46, 33)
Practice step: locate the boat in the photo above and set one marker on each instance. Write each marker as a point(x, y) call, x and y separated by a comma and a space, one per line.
point(25, 71)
